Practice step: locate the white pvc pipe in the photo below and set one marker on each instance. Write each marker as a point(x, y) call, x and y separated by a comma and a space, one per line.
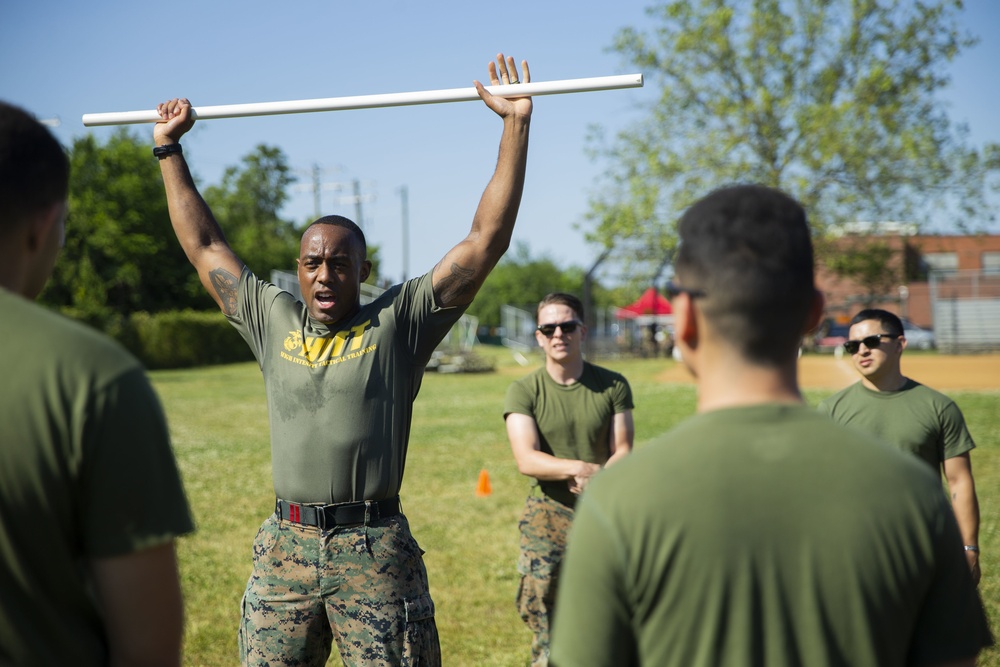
point(375, 101)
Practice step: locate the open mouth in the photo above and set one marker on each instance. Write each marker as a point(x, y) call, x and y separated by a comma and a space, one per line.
point(325, 299)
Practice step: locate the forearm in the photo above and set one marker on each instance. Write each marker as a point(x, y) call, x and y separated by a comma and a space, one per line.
point(192, 220)
point(965, 504)
point(140, 595)
point(621, 437)
point(493, 223)
point(620, 453)
point(463, 270)
point(548, 468)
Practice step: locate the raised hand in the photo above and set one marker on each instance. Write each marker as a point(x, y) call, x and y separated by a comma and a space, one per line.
point(504, 72)
point(177, 120)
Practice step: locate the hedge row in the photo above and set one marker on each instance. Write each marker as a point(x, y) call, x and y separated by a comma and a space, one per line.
point(178, 339)
point(186, 338)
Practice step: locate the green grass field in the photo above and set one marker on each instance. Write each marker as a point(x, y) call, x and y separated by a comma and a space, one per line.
point(219, 424)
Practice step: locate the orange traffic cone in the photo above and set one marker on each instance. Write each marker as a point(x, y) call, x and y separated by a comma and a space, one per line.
point(483, 488)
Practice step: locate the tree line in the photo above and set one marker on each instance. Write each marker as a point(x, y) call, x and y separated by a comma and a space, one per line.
point(121, 256)
point(835, 101)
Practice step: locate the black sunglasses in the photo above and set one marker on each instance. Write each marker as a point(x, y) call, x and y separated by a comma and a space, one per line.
point(673, 289)
point(871, 342)
point(567, 327)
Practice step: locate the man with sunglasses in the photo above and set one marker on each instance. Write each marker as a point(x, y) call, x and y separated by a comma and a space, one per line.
point(565, 422)
point(909, 415)
point(758, 531)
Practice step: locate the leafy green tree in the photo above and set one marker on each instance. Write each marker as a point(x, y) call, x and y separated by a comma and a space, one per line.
point(375, 257)
point(833, 101)
point(522, 280)
point(120, 254)
point(246, 205)
point(873, 264)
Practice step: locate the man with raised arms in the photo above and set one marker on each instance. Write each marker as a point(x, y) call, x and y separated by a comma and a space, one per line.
point(336, 560)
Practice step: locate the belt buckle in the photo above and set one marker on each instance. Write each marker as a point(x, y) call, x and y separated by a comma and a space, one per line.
point(294, 512)
point(321, 517)
point(369, 516)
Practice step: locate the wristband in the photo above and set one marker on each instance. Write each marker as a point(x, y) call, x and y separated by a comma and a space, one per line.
point(969, 547)
point(167, 150)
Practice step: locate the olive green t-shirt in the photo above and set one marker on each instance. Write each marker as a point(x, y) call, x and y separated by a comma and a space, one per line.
point(574, 421)
point(86, 471)
point(340, 399)
point(765, 535)
point(916, 419)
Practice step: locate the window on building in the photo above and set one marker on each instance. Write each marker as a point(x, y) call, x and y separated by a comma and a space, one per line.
point(941, 261)
point(990, 260)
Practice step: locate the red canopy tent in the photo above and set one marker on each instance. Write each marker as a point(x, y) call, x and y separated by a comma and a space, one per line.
point(650, 303)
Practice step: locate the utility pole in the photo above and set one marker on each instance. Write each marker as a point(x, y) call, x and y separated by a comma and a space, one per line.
point(357, 199)
point(357, 204)
point(316, 186)
point(405, 203)
point(316, 205)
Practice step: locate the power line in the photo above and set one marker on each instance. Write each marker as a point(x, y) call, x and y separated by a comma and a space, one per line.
point(404, 196)
point(316, 185)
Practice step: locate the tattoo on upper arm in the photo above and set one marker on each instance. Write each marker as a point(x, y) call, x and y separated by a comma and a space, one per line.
point(226, 286)
point(454, 287)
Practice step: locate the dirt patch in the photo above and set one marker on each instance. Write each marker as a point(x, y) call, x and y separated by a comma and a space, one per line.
point(939, 371)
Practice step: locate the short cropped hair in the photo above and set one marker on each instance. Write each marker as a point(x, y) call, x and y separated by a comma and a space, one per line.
point(748, 249)
point(563, 299)
point(346, 223)
point(889, 321)
point(34, 169)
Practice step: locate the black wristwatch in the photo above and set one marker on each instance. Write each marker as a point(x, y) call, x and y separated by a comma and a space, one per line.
point(167, 150)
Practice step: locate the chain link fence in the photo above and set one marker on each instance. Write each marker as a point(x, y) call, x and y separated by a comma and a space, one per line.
point(608, 336)
point(966, 306)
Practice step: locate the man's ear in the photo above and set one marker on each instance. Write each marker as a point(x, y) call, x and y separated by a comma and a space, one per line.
point(366, 270)
point(685, 320)
point(42, 225)
point(815, 314)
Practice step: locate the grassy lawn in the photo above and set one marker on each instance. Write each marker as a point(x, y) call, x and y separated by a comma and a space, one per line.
point(219, 424)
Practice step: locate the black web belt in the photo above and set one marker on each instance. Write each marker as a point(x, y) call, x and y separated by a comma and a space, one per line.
point(342, 514)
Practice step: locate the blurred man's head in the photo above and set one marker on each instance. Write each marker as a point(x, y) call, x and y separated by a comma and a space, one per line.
point(34, 185)
point(746, 259)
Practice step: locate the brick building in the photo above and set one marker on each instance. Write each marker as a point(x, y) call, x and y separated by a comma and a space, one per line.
point(910, 260)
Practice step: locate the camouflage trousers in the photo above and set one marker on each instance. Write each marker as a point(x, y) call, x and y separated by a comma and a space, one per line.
point(544, 525)
point(364, 587)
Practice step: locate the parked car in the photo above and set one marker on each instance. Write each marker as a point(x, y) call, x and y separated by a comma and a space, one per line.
point(829, 337)
point(918, 337)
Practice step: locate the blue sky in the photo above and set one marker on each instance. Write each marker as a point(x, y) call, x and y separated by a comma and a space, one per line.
point(60, 59)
